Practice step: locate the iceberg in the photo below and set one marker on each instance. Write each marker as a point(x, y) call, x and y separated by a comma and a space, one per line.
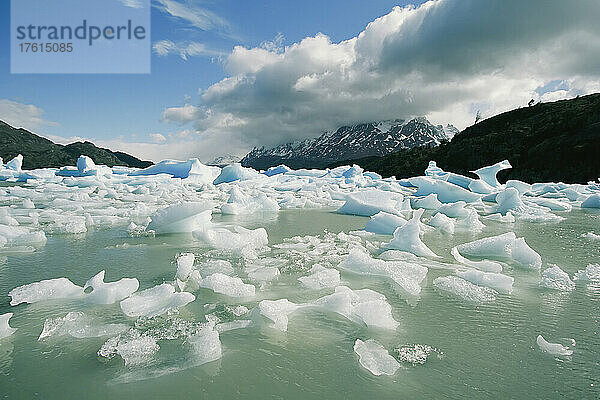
point(240, 203)
point(5, 329)
point(181, 169)
point(181, 218)
point(375, 358)
point(280, 169)
point(499, 282)
point(109, 293)
point(227, 285)
point(406, 238)
point(321, 277)
point(84, 164)
point(185, 264)
point(442, 222)
point(50, 289)
point(590, 274)
point(488, 174)
point(465, 289)
point(446, 192)
point(429, 202)
point(239, 240)
point(556, 349)
point(384, 223)
point(483, 265)
point(79, 325)
point(205, 345)
point(592, 201)
point(503, 247)
point(155, 301)
point(370, 202)
point(235, 172)
point(278, 312)
point(132, 346)
point(556, 279)
point(15, 164)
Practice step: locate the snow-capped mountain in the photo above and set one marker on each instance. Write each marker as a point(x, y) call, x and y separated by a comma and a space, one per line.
point(222, 161)
point(352, 142)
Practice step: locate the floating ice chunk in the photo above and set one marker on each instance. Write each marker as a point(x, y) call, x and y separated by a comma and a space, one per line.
point(84, 164)
point(465, 289)
point(181, 169)
point(384, 223)
point(375, 358)
point(480, 186)
point(369, 202)
point(155, 301)
point(235, 172)
point(185, 264)
point(429, 202)
point(79, 325)
point(181, 218)
point(227, 285)
point(503, 247)
point(6, 219)
point(483, 265)
point(521, 187)
point(240, 203)
point(108, 293)
point(51, 289)
point(277, 311)
point(509, 200)
point(406, 238)
point(488, 174)
point(590, 274)
point(591, 236)
point(454, 210)
point(232, 325)
point(239, 240)
point(408, 276)
point(433, 170)
point(5, 329)
point(556, 349)
point(321, 277)
point(15, 164)
point(508, 218)
point(28, 204)
point(416, 354)
point(442, 222)
point(499, 282)
point(263, 274)
point(592, 201)
point(133, 347)
point(557, 279)
point(470, 223)
point(206, 345)
point(446, 192)
point(280, 169)
point(365, 305)
point(212, 266)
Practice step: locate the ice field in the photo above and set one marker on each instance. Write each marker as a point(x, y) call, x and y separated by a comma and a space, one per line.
point(183, 280)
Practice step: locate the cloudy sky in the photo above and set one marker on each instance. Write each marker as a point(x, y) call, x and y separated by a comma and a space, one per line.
point(230, 75)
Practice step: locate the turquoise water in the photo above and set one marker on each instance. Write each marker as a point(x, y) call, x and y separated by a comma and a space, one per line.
point(485, 351)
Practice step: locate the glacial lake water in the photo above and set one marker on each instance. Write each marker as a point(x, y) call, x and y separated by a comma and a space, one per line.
point(485, 351)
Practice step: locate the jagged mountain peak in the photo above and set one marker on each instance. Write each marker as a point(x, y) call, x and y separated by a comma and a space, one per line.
point(351, 141)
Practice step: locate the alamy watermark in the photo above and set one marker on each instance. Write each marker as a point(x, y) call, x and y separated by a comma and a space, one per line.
point(80, 36)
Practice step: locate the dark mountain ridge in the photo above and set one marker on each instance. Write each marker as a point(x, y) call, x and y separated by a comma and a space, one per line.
point(558, 141)
point(39, 152)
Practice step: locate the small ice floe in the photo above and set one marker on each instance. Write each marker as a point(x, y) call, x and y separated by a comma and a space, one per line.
point(50, 289)
point(370, 202)
point(132, 346)
point(406, 238)
point(555, 349)
point(5, 329)
point(592, 201)
point(591, 236)
point(416, 354)
point(375, 358)
point(181, 218)
point(503, 247)
point(227, 285)
point(278, 312)
point(155, 301)
point(590, 274)
point(321, 277)
point(205, 345)
point(556, 279)
point(465, 289)
point(483, 265)
point(240, 203)
point(185, 265)
point(444, 223)
point(499, 282)
point(235, 172)
point(79, 325)
point(384, 223)
point(108, 293)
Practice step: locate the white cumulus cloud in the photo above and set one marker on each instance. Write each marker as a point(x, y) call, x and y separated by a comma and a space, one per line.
point(21, 115)
point(445, 59)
